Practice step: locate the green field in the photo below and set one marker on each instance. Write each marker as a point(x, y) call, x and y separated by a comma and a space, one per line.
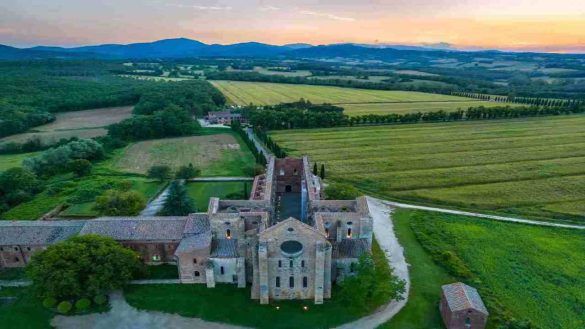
point(533, 167)
point(8, 161)
point(200, 192)
point(522, 272)
point(216, 155)
point(24, 312)
point(355, 101)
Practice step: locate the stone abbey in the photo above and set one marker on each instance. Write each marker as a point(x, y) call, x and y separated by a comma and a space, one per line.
point(284, 241)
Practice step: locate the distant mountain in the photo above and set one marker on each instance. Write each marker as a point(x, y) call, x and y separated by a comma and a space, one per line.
point(185, 48)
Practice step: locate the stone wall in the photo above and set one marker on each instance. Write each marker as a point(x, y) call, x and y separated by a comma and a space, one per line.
point(156, 252)
point(17, 255)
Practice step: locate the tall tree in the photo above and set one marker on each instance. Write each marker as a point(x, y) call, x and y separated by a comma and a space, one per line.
point(322, 171)
point(159, 172)
point(315, 169)
point(178, 202)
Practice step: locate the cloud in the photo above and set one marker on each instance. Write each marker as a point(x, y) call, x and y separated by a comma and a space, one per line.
point(327, 15)
point(197, 7)
point(269, 8)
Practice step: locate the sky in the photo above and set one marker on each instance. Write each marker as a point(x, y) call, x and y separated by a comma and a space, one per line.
point(533, 25)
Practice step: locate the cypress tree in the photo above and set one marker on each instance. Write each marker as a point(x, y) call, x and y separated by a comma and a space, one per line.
point(178, 202)
point(322, 171)
point(315, 169)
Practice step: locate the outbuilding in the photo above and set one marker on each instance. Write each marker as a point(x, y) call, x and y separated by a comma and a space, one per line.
point(462, 308)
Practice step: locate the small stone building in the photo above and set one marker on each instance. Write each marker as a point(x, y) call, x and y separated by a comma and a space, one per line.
point(285, 241)
point(224, 117)
point(462, 308)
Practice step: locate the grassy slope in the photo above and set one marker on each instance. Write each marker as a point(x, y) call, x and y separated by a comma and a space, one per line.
point(519, 270)
point(8, 161)
point(200, 192)
point(533, 167)
point(355, 101)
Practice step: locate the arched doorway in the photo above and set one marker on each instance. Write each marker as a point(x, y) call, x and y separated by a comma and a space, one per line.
point(288, 189)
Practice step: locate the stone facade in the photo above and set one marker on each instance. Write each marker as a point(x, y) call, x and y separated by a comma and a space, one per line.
point(238, 242)
point(224, 117)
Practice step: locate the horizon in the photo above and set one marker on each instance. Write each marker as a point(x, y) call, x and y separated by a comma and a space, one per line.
point(517, 25)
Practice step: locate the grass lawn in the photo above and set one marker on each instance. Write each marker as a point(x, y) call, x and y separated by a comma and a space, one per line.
point(355, 101)
point(531, 167)
point(426, 277)
point(200, 192)
point(522, 272)
point(222, 154)
point(8, 161)
point(26, 312)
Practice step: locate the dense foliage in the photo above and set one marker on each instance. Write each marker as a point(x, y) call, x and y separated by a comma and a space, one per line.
point(17, 185)
point(30, 91)
point(300, 114)
point(341, 191)
point(196, 97)
point(120, 203)
point(58, 159)
point(82, 266)
point(260, 157)
point(178, 202)
point(160, 172)
point(373, 284)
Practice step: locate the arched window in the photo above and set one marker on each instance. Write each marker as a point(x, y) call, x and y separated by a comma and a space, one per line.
point(303, 263)
point(228, 233)
point(349, 232)
point(279, 263)
point(221, 270)
point(305, 282)
point(281, 172)
point(197, 273)
point(291, 282)
point(351, 267)
point(16, 259)
point(295, 172)
point(467, 322)
point(290, 263)
point(277, 282)
point(327, 233)
point(194, 260)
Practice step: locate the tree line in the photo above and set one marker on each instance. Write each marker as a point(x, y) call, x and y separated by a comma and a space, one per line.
point(522, 100)
point(306, 115)
point(258, 155)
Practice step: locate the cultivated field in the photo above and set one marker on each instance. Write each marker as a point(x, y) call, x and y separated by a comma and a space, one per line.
point(533, 167)
point(519, 270)
point(355, 101)
point(83, 124)
point(216, 155)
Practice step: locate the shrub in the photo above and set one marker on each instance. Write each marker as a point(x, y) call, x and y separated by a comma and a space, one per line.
point(159, 172)
point(80, 167)
point(118, 203)
point(187, 172)
point(82, 304)
point(64, 307)
point(49, 302)
point(341, 191)
point(100, 299)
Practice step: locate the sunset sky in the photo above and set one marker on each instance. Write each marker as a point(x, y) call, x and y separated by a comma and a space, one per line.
point(540, 25)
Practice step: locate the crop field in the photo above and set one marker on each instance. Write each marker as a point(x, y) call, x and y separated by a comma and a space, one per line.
point(216, 155)
point(519, 270)
point(533, 167)
point(83, 124)
point(355, 101)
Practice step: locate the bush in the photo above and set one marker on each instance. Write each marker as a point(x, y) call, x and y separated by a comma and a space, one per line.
point(82, 304)
point(64, 307)
point(159, 172)
point(49, 302)
point(118, 203)
point(80, 167)
point(187, 172)
point(57, 159)
point(100, 299)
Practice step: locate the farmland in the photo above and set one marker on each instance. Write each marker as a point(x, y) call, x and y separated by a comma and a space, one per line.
point(82, 124)
point(533, 167)
point(216, 155)
point(355, 101)
point(519, 270)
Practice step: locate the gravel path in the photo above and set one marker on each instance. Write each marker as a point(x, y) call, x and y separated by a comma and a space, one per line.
point(259, 145)
point(473, 214)
point(124, 316)
point(384, 234)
